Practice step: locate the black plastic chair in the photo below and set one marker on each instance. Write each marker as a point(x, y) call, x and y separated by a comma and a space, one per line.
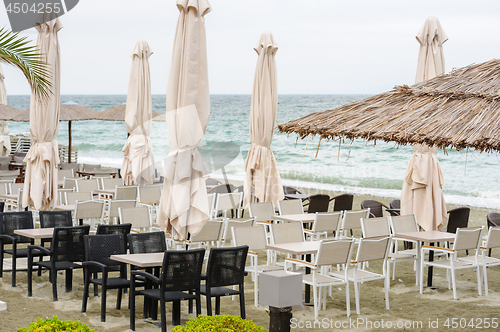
point(123, 229)
point(2, 206)
point(375, 208)
point(180, 277)
point(9, 222)
point(225, 267)
point(318, 203)
point(457, 218)
point(493, 221)
point(51, 219)
point(67, 248)
point(342, 202)
point(98, 249)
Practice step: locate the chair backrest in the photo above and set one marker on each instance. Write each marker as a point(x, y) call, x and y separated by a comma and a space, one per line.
point(468, 238)
point(111, 183)
point(262, 211)
point(457, 218)
point(290, 206)
point(211, 203)
point(4, 186)
point(73, 197)
point(150, 194)
point(75, 167)
point(343, 202)
point(335, 252)
point(115, 204)
point(70, 183)
point(252, 236)
point(405, 223)
point(49, 219)
point(352, 219)
point(181, 270)
point(211, 231)
point(226, 266)
point(138, 216)
point(67, 243)
point(87, 185)
point(493, 240)
point(375, 227)
point(10, 221)
point(99, 248)
point(89, 210)
point(62, 195)
point(327, 222)
point(493, 219)
point(14, 188)
point(318, 203)
point(228, 201)
point(375, 208)
point(91, 167)
point(290, 190)
point(228, 235)
point(125, 193)
point(222, 189)
point(142, 243)
point(123, 229)
point(287, 232)
point(371, 249)
point(395, 204)
point(65, 173)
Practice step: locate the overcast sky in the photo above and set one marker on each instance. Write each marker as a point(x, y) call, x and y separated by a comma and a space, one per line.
point(325, 47)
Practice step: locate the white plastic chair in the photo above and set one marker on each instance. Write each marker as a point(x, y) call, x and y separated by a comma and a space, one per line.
point(112, 209)
point(290, 206)
point(229, 201)
point(125, 193)
point(87, 185)
point(324, 223)
point(351, 220)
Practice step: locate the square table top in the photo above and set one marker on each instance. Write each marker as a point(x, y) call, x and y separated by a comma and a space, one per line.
point(64, 207)
point(426, 236)
point(36, 233)
point(297, 196)
point(306, 218)
point(296, 248)
point(142, 260)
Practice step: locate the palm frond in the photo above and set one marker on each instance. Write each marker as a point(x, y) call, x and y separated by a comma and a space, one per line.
point(16, 51)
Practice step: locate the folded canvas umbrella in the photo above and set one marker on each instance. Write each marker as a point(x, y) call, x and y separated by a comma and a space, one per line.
point(184, 203)
point(40, 186)
point(138, 163)
point(422, 192)
point(262, 179)
point(4, 129)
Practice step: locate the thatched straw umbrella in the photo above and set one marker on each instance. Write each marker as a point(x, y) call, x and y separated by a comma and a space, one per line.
point(70, 111)
point(117, 113)
point(459, 110)
point(8, 113)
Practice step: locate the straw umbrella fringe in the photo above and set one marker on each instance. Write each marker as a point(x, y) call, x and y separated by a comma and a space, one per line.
point(459, 110)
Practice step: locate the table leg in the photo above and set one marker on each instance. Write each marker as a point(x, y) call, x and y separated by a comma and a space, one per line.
point(307, 298)
point(430, 268)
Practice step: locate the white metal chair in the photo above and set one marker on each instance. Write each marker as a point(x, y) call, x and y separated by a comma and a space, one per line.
point(89, 210)
point(14, 187)
point(62, 195)
point(111, 183)
point(369, 250)
point(70, 183)
point(15, 204)
point(263, 212)
point(211, 232)
point(290, 206)
point(351, 220)
point(72, 197)
point(139, 217)
point(466, 239)
point(285, 233)
point(150, 196)
point(330, 253)
point(87, 185)
point(111, 212)
point(324, 223)
point(403, 224)
point(125, 193)
point(256, 239)
point(229, 201)
point(64, 173)
point(229, 223)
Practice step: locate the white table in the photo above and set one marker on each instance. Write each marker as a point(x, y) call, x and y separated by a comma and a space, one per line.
point(427, 236)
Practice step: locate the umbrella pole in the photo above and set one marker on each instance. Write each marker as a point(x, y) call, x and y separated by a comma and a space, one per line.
point(69, 136)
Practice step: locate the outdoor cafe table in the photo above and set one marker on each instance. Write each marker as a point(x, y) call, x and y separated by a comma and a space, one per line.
point(298, 248)
point(297, 196)
point(38, 233)
point(306, 218)
point(429, 237)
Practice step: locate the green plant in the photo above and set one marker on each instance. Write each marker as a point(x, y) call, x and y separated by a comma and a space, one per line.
point(55, 325)
point(224, 323)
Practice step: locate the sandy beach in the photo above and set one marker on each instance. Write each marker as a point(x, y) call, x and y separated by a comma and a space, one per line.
point(407, 307)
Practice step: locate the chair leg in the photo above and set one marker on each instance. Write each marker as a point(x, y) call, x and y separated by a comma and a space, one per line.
point(14, 268)
point(131, 303)
point(315, 301)
point(209, 305)
point(163, 316)
point(479, 281)
point(176, 313)
point(242, 302)
point(29, 273)
point(69, 280)
point(387, 285)
point(103, 302)
point(85, 293)
point(53, 272)
point(454, 283)
point(421, 277)
point(217, 305)
point(119, 299)
point(347, 300)
point(356, 295)
point(485, 278)
point(198, 304)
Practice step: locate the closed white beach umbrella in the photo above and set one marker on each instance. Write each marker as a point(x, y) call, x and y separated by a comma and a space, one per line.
point(262, 177)
point(40, 186)
point(4, 128)
point(422, 192)
point(184, 204)
point(138, 163)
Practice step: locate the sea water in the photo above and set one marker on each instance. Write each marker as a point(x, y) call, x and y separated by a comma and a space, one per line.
point(357, 167)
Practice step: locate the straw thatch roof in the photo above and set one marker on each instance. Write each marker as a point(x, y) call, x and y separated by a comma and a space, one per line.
point(117, 113)
point(458, 110)
point(69, 112)
point(8, 112)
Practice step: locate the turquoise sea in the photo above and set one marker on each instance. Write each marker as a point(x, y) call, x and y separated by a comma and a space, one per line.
point(360, 168)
